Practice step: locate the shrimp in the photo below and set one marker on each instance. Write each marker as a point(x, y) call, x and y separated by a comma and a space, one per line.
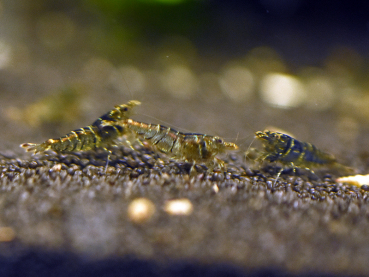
point(102, 133)
point(191, 147)
point(285, 149)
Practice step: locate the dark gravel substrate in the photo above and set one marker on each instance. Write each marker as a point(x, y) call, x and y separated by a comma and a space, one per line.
point(241, 222)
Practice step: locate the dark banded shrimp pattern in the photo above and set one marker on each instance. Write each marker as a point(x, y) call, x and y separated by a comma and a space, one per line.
point(285, 149)
point(190, 147)
point(102, 133)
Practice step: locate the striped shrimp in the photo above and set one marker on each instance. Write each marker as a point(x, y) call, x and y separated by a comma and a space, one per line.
point(285, 149)
point(102, 133)
point(191, 147)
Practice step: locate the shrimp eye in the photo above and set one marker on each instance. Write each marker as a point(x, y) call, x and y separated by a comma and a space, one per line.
point(125, 109)
point(219, 140)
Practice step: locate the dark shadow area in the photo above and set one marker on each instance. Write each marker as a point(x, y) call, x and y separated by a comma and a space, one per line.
point(44, 263)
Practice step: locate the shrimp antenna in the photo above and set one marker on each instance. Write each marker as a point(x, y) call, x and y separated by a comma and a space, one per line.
point(129, 90)
point(166, 123)
point(238, 133)
point(248, 149)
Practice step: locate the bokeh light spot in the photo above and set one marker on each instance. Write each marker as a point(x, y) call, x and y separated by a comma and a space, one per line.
point(237, 83)
point(282, 90)
point(179, 81)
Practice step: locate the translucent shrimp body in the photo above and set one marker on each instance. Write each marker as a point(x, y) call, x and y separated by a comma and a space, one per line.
point(190, 147)
point(102, 133)
point(287, 150)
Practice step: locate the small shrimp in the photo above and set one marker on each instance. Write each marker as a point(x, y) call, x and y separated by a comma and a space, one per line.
point(282, 148)
point(102, 133)
point(191, 147)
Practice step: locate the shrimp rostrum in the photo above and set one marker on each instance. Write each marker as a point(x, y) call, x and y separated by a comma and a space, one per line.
point(285, 149)
point(102, 133)
point(190, 147)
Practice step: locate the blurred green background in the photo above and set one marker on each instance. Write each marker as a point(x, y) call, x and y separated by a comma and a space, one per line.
point(220, 67)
